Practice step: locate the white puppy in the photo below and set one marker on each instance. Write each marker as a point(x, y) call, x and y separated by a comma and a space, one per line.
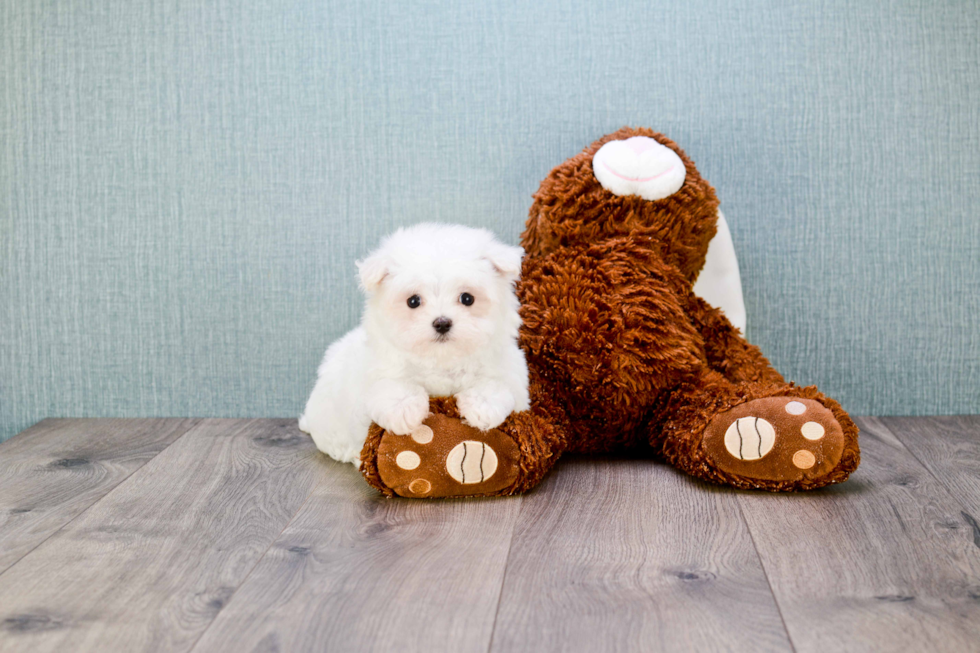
point(441, 318)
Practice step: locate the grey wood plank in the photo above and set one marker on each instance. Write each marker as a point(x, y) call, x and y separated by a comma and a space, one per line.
point(884, 562)
point(53, 471)
point(949, 447)
point(630, 555)
point(149, 566)
point(357, 572)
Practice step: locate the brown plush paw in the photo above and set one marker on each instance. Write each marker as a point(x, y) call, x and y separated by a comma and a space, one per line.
point(775, 439)
point(446, 458)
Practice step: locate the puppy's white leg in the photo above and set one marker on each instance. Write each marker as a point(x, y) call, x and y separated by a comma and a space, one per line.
point(334, 430)
point(334, 416)
point(397, 406)
point(486, 405)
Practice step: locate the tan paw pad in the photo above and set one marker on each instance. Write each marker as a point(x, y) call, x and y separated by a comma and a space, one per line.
point(795, 408)
point(750, 438)
point(471, 462)
point(408, 460)
point(422, 435)
point(804, 459)
point(420, 486)
point(812, 431)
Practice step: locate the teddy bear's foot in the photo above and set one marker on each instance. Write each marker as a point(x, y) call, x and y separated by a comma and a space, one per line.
point(447, 458)
point(782, 439)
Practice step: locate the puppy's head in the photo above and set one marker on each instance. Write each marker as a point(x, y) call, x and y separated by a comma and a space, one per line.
point(441, 291)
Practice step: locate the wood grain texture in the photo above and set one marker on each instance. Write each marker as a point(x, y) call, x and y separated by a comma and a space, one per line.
point(53, 471)
point(616, 555)
point(884, 562)
point(239, 536)
point(149, 566)
point(358, 572)
point(949, 447)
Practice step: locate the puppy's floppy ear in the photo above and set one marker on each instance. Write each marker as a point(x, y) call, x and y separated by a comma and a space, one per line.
point(373, 271)
point(506, 260)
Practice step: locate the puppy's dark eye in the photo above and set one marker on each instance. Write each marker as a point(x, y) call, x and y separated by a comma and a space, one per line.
point(414, 301)
point(466, 299)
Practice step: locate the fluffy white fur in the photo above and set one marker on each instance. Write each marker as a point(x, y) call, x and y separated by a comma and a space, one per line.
point(385, 370)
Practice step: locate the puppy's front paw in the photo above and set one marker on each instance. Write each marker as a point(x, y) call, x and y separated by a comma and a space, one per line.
point(404, 415)
point(484, 410)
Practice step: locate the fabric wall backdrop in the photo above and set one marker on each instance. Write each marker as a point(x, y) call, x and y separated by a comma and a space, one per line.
point(184, 186)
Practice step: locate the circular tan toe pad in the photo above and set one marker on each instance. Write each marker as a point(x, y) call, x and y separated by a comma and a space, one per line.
point(471, 462)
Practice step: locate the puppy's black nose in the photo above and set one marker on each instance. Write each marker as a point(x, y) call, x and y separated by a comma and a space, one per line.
point(442, 325)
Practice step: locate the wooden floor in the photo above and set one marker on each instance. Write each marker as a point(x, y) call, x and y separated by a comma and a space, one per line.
point(236, 535)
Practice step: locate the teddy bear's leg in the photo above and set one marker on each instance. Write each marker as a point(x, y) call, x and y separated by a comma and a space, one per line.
point(448, 458)
point(775, 436)
point(726, 349)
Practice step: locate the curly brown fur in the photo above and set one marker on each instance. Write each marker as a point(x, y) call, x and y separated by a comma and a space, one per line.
point(369, 461)
point(604, 320)
point(726, 350)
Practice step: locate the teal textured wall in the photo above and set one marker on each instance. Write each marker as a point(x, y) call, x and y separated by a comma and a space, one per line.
point(184, 185)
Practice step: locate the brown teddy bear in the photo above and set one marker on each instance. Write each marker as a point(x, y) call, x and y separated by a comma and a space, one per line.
point(623, 356)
